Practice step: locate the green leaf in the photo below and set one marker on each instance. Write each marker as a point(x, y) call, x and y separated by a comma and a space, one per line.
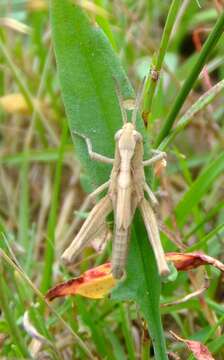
point(86, 65)
point(142, 285)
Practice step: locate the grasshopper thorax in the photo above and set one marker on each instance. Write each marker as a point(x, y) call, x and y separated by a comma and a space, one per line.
point(127, 137)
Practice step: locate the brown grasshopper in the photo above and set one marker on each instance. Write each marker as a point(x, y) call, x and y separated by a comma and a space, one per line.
point(126, 188)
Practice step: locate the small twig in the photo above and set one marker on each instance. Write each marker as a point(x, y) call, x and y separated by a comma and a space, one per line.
point(189, 296)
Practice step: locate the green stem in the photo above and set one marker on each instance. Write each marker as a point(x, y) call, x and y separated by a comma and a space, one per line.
point(189, 83)
point(157, 65)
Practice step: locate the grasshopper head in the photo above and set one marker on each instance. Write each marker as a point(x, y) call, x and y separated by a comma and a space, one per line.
point(127, 137)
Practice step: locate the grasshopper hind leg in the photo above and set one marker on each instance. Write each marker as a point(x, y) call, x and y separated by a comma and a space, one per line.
point(154, 237)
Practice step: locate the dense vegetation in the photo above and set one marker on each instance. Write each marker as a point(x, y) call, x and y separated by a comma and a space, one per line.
point(57, 70)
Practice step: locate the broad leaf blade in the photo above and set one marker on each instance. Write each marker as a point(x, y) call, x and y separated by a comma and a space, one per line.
point(87, 65)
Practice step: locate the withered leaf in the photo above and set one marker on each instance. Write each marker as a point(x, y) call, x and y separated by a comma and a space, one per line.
point(188, 261)
point(199, 350)
point(97, 282)
point(94, 283)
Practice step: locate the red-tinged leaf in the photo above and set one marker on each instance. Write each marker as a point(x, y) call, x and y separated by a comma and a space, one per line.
point(188, 261)
point(97, 283)
point(94, 283)
point(199, 350)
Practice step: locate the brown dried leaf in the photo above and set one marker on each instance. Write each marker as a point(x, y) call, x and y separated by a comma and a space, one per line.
point(188, 261)
point(199, 350)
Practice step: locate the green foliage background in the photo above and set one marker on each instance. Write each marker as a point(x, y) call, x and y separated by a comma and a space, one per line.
point(40, 173)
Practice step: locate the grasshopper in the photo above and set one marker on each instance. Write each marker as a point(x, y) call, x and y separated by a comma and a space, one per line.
point(126, 191)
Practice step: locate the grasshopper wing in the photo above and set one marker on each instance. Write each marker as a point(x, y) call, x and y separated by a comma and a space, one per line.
point(89, 229)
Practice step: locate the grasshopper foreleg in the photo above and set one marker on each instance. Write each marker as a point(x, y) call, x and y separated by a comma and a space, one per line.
point(154, 237)
point(159, 155)
point(92, 154)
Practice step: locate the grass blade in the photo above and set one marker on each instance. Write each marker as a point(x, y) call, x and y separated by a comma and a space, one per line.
point(13, 328)
point(161, 55)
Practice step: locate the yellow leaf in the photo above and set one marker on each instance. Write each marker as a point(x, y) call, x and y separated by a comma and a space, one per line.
point(94, 283)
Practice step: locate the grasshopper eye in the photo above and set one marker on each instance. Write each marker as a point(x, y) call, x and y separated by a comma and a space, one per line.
point(118, 134)
point(137, 136)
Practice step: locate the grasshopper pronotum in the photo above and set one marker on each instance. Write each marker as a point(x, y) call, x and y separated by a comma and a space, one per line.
point(126, 188)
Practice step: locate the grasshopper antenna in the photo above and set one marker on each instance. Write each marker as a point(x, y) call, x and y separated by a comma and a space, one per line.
point(120, 99)
point(138, 100)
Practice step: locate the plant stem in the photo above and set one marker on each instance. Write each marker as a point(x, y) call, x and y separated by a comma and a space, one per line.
point(157, 64)
point(189, 83)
